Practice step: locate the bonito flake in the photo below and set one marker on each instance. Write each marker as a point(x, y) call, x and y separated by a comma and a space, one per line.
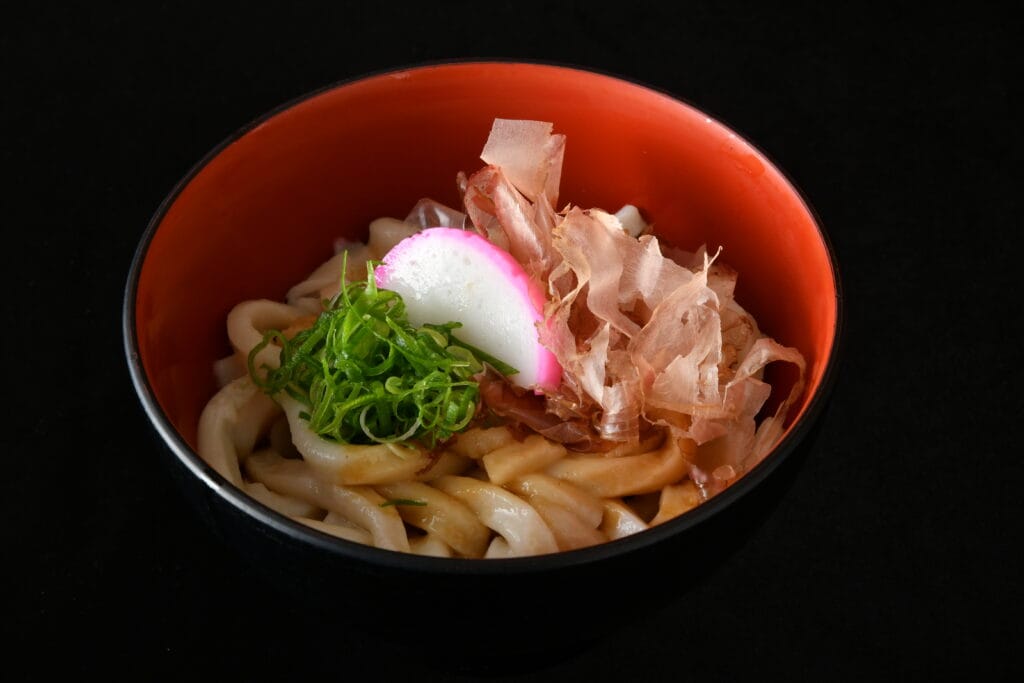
point(648, 336)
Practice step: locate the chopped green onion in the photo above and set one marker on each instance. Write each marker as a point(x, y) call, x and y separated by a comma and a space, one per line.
point(366, 375)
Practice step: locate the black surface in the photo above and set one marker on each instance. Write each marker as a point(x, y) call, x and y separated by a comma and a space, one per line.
point(889, 552)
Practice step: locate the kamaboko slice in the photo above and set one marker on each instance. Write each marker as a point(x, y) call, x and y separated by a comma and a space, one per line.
point(444, 274)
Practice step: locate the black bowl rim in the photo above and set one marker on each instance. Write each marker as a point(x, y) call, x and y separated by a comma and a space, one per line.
point(389, 559)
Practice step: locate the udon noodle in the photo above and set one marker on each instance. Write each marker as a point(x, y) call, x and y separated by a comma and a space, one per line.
point(505, 487)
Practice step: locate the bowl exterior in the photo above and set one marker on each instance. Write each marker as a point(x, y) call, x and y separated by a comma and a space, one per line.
point(324, 166)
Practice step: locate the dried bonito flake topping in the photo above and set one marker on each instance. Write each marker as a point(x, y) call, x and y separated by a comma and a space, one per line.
point(529, 156)
point(649, 336)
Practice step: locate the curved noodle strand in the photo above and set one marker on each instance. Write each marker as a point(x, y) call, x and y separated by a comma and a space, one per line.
point(230, 424)
point(510, 461)
point(620, 521)
point(325, 281)
point(539, 485)
point(349, 533)
point(569, 530)
point(442, 516)
point(675, 500)
point(350, 464)
point(628, 475)
point(498, 549)
point(385, 233)
point(250, 319)
point(519, 524)
point(429, 545)
point(476, 442)
point(285, 505)
point(358, 504)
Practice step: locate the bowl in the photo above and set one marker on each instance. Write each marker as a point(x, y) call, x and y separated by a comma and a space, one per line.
point(263, 208)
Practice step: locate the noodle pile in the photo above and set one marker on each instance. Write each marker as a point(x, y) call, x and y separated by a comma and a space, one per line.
point(662, 382)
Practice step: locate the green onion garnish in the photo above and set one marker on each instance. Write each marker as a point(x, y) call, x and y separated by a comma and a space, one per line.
point(366, 375)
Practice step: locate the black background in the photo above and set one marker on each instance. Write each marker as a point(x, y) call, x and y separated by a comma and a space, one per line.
point(890, 552)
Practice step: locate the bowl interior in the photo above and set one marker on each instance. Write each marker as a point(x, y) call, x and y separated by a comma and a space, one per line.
point(264, 210)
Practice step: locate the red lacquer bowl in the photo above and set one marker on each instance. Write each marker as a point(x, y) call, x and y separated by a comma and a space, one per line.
point(264, 207)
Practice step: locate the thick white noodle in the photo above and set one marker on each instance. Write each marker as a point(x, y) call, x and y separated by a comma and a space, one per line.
point(230, 425)
point(386, 233)
point(515, 459)
point(513, 518)
point(359, 504)
point(349, 533)
point(339, 520)
point(430, 545)
point(498, 549)
point(285, 505)
point(628, 475)
point(477, 442)
point(620, 521)
point(587, 507)
point(569, 530)
point(226, 370)
point(325, 281)
point(357, 464)
point(675, 500)
point(250, 319)
point(442, 515)
point(309, 305)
